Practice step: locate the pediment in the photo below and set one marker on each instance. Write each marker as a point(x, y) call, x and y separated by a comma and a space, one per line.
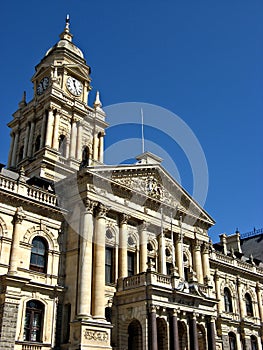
point(156, 185)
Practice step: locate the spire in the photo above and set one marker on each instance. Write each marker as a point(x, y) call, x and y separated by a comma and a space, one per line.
point(66, 35)
point(97, 103)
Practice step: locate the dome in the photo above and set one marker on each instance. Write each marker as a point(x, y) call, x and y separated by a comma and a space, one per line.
point(67, 45)
point(66, 42)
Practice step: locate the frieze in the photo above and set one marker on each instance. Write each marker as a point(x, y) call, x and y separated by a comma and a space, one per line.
point(98, 336)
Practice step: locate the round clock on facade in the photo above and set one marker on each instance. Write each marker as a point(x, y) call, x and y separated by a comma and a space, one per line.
point(74, 86)
point(43, 85)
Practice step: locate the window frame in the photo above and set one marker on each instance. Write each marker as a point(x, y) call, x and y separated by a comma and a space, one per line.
point(36, 255)
point(110, 265)
point(32, 329)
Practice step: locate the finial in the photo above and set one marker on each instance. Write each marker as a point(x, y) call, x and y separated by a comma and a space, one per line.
point(23, 103)
point(66, 35)
point(97, 103)
point(67, 23)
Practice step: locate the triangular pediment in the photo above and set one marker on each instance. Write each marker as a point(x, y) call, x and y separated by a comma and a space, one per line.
point(155, 184)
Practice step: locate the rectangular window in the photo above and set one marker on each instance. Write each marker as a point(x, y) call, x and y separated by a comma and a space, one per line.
point(109, 265)
point(131, 262)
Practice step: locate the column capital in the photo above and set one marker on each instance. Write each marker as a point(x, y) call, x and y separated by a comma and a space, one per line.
point(89, 205)
point(144, 226)
point(152, 308)
point(197, 244)
point(101, 210)
point(19, 215)
point(123, 218)
point(206, 247)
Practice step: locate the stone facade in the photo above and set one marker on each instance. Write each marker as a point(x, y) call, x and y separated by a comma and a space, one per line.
point(109, 257)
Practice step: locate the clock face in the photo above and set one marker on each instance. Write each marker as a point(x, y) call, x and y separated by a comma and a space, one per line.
point(43, 85)
point(74, 86)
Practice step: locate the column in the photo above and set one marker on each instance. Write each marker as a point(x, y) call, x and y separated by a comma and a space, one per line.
point(179, 254)
point(198, 261)
point(211, 333)
point(218, 292)
point(79, 141)
point(55, 131)
point(143, 247)
point(95, 146)
point(175, 336)
point(26, 140)
point(259, 297)
point(153, 328)
point(73, 140)
point(101, 146)
point(49, 132)
point(193, 333)
point(11, 149)
point(240, 298)
point(43, 130)
point(205, 262)
point(17, 229)
point(123, 237)
point(30, 141)
point(85, 261)
point(98, 299)
point(14, 153)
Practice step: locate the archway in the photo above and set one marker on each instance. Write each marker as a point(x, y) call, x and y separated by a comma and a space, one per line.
point(182, 334)
point(135, 335)
point(162, 338)
point(201, 334)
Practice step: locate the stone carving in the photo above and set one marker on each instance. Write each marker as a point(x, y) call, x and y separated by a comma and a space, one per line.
point(98, 336)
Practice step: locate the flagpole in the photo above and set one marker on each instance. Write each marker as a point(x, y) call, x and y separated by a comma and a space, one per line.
point(142, 131)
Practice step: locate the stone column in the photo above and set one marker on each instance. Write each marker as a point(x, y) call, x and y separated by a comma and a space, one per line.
point(95, 146)
point(211, 333)
point(98, 298)
point(198, 261)
point(193, 333)
point(179, 254)
point(205, 262)
point(101, 146)
point(43, 130)
point(143, 247)
point(240, 298)
point(73, 139)
point(67, 147)
point(85, 261)
point(153, 328)
point(55, 132)
point(123, 237)
point(31, 137)
point(259, 299)
point(15, 249)
point(79, 141)
point(175, 335)
point(49, 132)
point(26, 140)
point(218, 293)
point(11, 149)
point(14, 152)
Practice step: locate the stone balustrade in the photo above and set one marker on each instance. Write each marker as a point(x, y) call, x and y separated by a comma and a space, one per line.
point(28, 191)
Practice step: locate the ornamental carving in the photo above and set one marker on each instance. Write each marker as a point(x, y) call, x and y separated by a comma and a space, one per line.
point(98, 336)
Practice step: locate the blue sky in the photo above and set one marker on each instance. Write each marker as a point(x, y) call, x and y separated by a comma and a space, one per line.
point(202, 60)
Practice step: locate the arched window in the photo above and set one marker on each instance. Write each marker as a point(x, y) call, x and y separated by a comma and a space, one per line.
point(249, 306)
point(38, 260)
point(232, 341)
point(62, 145)
point(34, 321)
point(85, 157)
point(228, 300)
point(37, 143)
point(162, 339)
point(254, 343)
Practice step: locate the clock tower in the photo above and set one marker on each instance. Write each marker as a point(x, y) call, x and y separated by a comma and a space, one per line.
point(57, 132)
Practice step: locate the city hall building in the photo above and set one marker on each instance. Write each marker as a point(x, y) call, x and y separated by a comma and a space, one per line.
point(94, 256)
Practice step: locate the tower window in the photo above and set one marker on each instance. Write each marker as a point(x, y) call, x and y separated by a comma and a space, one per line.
point(37, 143)
point(38, 260)
point(33, 321)
point(62, 145)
